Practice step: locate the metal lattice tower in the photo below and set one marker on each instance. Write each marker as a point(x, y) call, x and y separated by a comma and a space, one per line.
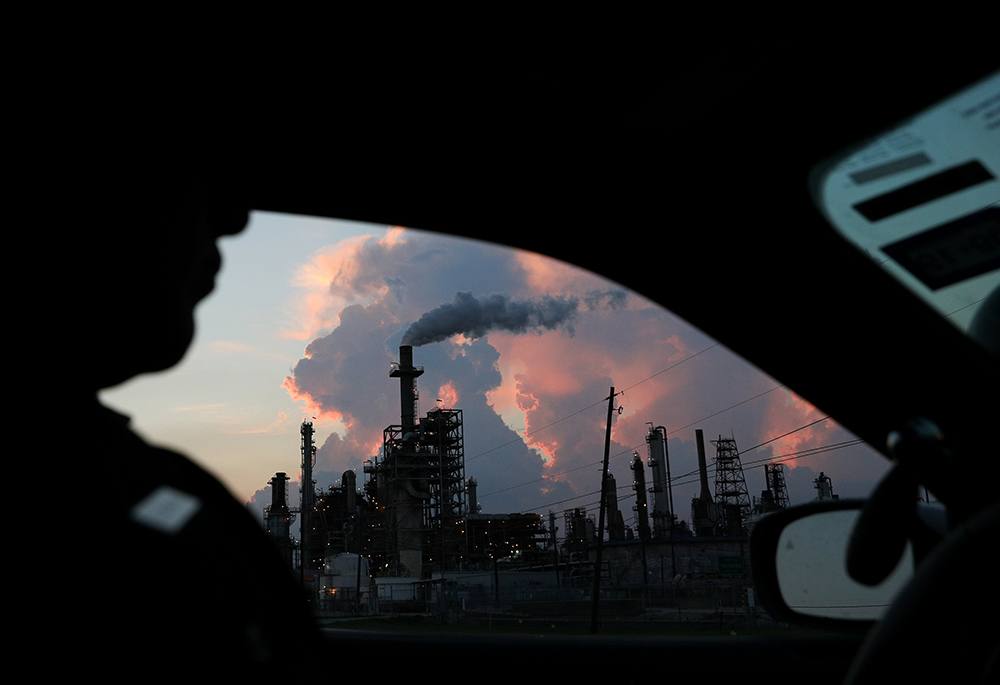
point(730, 485)
point(444, 512)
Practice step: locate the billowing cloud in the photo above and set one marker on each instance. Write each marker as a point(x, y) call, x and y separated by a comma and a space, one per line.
point(528, 348)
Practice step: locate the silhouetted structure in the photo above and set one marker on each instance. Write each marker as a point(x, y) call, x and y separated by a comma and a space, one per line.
point(731, 492)
point(420, 481)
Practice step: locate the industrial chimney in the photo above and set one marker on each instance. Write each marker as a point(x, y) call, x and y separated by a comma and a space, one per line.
point(407, 375)
point(472, 495)
point(706, 493)
point(704, 512)
point(349, 483)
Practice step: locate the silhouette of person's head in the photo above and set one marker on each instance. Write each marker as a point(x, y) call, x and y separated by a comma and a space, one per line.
point(141, 256)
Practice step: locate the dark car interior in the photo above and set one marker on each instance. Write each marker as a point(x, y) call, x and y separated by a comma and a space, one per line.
point(684, 175)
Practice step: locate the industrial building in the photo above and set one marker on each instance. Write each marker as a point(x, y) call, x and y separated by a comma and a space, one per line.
point(412, 535)
point(419, 482)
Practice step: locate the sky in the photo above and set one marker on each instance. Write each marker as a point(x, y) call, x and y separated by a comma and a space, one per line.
point(308, 314)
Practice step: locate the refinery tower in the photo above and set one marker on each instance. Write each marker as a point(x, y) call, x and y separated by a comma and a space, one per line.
point(419, 482)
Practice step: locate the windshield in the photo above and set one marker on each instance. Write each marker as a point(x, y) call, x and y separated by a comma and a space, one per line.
point(302, 351)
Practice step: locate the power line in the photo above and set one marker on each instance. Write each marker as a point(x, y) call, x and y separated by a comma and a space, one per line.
point(784, 435)
point(676, 480)
point(631, 449)
point(750, 449)
point(780, 459)
point(595, 404)
point(672, 366)
point(723, 411)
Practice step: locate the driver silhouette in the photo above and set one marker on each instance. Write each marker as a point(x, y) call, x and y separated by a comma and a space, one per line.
point(171, 574)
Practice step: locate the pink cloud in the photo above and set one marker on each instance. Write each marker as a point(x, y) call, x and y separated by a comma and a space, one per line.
point(547, 387)
point(338, 275)
point(448, 395)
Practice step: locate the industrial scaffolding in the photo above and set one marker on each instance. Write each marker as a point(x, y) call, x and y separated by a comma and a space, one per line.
point(421, 478)
point(774, 477)
point(731, 492)
point(420, 482)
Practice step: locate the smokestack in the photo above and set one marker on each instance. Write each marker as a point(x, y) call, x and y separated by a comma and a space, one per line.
point(349, 482)
point(706, 493)
point(407, 375)
point(472, 495)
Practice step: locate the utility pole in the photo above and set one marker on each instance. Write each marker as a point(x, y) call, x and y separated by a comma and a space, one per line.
point(600, 519)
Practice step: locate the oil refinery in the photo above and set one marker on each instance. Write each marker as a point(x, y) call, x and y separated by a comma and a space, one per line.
point(413, 538)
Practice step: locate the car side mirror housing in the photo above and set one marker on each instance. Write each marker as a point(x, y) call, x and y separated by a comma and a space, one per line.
point(799, 562)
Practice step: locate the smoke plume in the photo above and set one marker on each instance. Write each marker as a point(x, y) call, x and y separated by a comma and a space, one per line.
point(475, 317)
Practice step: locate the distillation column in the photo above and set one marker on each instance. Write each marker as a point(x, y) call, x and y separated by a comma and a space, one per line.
point(278, 518)
point(659, 465)
point(641, 509)
point(308, 495)
point(407, 480)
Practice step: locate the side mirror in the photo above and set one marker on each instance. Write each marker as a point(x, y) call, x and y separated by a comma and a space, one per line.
point(799, 562)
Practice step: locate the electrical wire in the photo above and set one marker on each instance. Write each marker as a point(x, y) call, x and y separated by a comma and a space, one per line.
point(678, 480)
point(591, 406)
point(630, 450)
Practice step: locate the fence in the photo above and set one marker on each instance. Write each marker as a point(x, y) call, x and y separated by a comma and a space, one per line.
point(688, 603)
